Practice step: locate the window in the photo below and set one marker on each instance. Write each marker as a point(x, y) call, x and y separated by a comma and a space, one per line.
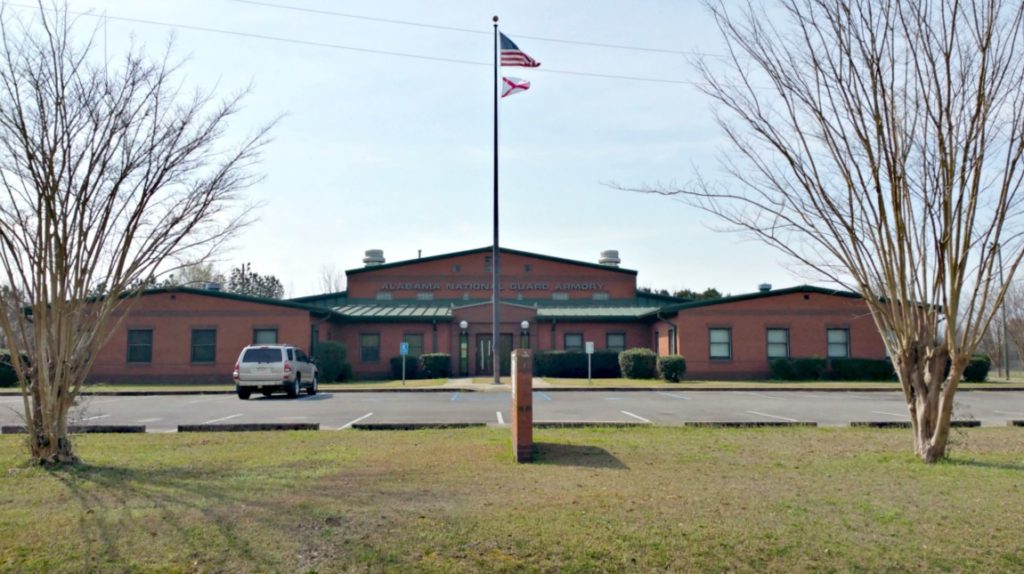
point(778, 343)
point(204, 345)
point(527, 268)
point(487, 263)
point(140, 345)
point(559, 296)
point(838, 343)
point(456, 268)
point(720, 343)
point(424, 296)
point(369, 347)
point(573, 341)
point(384, 296)
point(415, 341)
point(599, 296)
point(615, 342)
point(264, 336)
point(672, 341)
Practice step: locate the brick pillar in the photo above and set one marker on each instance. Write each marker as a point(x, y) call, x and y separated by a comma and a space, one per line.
point(522, 405)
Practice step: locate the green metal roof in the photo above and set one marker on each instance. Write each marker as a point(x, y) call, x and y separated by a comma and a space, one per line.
point(395, 312)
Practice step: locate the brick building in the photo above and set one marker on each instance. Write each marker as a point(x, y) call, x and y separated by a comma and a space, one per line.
point(442, 304)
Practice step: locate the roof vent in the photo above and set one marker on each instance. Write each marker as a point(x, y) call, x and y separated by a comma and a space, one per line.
point(610, 258)
point(211, 286)
point(764, 287)
point(374, 257)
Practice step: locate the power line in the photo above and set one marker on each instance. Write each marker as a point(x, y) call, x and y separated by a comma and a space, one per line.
point(355, 48)
point(469, 30)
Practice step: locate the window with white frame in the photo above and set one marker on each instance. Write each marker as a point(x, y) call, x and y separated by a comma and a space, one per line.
point(720, 343)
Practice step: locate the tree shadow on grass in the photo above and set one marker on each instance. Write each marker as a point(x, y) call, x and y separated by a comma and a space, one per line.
point(575, 455)
point(192, 504)
point(985, 464)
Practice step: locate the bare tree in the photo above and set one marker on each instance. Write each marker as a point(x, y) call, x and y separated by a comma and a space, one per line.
point(331, 280)
point(879, 143)
point(107, 169)
point(194, 274)
point(1014, 303)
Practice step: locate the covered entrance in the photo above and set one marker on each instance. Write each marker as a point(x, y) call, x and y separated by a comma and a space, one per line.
point(484, 357)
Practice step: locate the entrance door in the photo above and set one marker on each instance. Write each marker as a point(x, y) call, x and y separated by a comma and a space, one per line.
point(483, 354)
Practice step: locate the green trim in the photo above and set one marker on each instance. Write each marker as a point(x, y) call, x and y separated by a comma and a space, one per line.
point(484, 250)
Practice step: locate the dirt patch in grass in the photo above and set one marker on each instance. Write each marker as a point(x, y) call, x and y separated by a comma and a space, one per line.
point(667, 499)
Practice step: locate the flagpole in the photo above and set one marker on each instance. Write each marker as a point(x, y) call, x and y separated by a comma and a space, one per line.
point(495, 334)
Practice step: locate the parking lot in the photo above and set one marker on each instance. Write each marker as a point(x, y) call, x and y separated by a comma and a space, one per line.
point(337, 411)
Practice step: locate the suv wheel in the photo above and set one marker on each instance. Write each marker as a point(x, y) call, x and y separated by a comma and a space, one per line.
point(293, 389)
point(243, 393)
point(313, 388)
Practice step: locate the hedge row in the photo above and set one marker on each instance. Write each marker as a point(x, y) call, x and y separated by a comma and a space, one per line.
point(816, 369)
point(331, 361)
point(573, 364)
point(426, 366)
point(632, 364)
point(8, 378)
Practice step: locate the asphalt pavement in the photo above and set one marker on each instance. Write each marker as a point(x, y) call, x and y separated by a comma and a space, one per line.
point(338, 411)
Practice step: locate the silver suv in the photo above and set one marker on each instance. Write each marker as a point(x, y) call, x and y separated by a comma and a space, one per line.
point(270, 368)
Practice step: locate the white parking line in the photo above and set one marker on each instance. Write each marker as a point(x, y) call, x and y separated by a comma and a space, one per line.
point(221, 419)
point(764, 396)
point(95, 417)
point(638, 417)
point(901, 415)
point(501, 419)
point(153, 420)
point(673, 395)
point(773, 416)
point(210, 400)
point(367, 415)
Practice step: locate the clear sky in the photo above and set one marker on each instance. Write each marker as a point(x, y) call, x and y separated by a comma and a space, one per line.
point(394, 152)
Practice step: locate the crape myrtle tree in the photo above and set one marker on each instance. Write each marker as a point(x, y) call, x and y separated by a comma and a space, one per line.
point(109, 172)
point(879, 143)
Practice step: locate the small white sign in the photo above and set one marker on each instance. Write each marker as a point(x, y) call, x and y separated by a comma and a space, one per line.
point(590, 347)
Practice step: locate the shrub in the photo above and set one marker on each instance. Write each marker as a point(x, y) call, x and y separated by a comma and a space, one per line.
point(330, 361)
point(8, 378)
point(638, 363)
point(803, 369)
point(671, 368)
point(435, 365)
point(573, 364)
point(411, 370)
point(977, 369)
point(862, 370)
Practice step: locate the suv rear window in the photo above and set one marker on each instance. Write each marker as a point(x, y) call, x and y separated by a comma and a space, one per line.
point(264, 355)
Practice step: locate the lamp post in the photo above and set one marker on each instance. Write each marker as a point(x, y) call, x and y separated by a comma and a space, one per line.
point(463, 348)
point(524, 335)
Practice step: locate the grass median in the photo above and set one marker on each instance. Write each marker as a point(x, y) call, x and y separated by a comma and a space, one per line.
point(669, 499)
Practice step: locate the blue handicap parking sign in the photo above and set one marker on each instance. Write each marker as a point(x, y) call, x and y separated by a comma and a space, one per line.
point(403, 349)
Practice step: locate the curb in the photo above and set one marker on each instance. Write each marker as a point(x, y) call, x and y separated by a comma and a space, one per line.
point(414, 426)
point(249, 427)
point(749, 424)
point(586, 424)
point(906, 424)
point(1015, 423)
point(82, 429)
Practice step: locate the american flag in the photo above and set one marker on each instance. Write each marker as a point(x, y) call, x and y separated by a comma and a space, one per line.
point(511, 55)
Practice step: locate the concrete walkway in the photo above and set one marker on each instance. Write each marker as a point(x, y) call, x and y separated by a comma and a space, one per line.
point(468, 383)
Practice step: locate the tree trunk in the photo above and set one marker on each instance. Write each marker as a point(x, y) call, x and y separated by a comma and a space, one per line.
point(929, 392)
point(49, 443)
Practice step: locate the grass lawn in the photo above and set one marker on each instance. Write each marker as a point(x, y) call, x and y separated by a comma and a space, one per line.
point(646, 499)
